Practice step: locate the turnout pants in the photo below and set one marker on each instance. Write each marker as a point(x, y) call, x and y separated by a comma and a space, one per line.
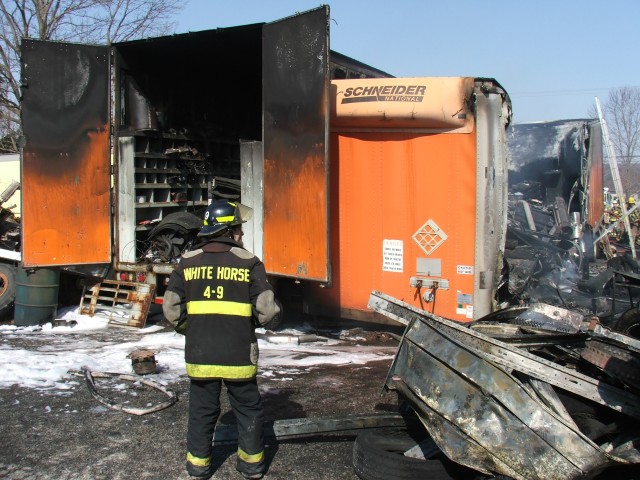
point(204, 410)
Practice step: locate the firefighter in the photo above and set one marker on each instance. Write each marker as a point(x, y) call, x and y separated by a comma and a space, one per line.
point(615, 215)
point(215, 296)
point(634, 218)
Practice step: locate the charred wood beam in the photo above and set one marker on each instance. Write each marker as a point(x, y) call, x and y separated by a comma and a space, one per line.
point(298, 427)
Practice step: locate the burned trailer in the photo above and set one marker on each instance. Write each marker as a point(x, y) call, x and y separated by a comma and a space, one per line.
point(126, 144)
point(522, 393)
point(418, 195)
point(316, 142)
point(555, 210)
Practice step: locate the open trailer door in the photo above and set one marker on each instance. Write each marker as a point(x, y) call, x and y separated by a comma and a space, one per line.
point(66, 182)
point(295, 67)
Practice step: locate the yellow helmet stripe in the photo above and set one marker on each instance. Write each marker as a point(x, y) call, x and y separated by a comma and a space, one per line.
point(228, 218)
point(204, 307)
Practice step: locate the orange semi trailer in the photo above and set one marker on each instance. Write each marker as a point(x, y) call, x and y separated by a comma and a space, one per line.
point(417, 197)
point(360, 181)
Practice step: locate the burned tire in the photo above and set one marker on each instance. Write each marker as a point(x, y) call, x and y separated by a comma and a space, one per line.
point(380, 456)
point(7, 289)
point(629, 323)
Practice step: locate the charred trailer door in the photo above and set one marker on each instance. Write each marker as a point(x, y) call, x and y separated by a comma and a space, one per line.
point(287, 177)
point(295, 142)
point(66, 202)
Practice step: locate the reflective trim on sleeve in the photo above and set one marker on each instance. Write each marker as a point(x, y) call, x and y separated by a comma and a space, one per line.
point(198, 461)
point(203, 307)
point(229, 372)
point(250, 458)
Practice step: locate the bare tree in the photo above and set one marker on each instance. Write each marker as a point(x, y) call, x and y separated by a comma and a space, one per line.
point(621, 110)
point(82, 21)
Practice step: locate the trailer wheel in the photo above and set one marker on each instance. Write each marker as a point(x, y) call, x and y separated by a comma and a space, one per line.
point(380, 456)
point(7, 288)
point(629, 323)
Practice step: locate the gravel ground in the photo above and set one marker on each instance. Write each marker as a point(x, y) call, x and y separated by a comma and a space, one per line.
point(68, 435)
point(53, 435)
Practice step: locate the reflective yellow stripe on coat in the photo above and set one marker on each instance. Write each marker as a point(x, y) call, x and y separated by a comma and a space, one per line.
point(203, 307)
point(231, 372)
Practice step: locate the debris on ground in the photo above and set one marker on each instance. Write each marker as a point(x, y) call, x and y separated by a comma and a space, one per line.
point(531, 393)
point(136, 380)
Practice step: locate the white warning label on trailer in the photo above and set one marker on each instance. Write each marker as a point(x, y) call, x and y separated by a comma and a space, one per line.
point(464, 269)
point(392, 255)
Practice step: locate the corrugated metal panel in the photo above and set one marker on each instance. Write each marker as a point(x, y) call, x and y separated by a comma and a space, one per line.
point(491, 406)
point(295, 95)
point(65, 165)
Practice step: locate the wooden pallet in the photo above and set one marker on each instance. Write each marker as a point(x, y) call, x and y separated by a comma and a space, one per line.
point(123, 303)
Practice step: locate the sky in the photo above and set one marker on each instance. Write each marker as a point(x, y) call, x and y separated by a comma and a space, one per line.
point(60, 349)
point(553, 57)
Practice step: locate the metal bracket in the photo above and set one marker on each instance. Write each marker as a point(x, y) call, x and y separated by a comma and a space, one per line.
point(425, 282)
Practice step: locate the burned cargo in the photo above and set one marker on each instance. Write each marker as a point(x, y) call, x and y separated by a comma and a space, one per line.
point(555, 211)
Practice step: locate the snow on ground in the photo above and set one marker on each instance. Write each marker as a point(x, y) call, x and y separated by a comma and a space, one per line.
point(53, 351)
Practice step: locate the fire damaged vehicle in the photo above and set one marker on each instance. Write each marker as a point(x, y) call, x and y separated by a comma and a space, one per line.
point(555, 251)
point(555, 202)
point(548, 385)
point(9, 250)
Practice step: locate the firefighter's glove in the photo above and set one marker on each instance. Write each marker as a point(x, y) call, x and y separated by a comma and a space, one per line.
point(181, 327)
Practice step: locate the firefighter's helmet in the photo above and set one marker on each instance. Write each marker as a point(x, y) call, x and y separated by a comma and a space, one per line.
point(222, 215)
point(631, 201)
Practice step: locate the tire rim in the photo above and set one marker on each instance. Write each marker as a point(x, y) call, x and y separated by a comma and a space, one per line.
point(4, 283)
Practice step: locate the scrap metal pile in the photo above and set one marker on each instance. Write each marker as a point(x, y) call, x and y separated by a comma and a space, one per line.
point(536, 392)
point(554, 217)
